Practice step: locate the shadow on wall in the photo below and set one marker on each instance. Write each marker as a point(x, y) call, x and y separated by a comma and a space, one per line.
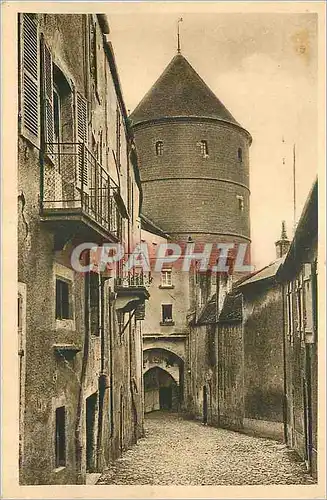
point(265, 405)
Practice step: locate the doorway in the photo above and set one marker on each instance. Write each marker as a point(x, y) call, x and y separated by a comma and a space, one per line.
point(205, 405)
point(91, 408)
point(165, 398)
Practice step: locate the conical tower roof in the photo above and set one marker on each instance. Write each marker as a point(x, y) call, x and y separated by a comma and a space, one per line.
point(180, 92)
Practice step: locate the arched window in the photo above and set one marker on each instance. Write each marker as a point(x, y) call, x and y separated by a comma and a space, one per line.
point(240, 155)
point(159, 148)
point(204, 149)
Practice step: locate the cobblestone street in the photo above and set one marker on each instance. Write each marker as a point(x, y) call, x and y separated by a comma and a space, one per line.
point(179, 452)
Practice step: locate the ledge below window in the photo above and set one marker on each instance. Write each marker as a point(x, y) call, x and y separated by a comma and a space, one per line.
point(164, 287)
point(68, 351)
point(167, 323)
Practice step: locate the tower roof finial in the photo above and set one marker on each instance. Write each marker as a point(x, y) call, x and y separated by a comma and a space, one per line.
point(178, 37)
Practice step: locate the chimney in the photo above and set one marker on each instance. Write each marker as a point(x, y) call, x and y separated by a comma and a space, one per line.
point(283, 244)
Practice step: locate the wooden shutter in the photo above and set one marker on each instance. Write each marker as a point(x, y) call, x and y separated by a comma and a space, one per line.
point(29, 78)
point(307, 290)
point(81, 135)
point(47, 97)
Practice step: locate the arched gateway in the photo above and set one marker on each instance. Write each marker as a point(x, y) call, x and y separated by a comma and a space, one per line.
point(163, 373)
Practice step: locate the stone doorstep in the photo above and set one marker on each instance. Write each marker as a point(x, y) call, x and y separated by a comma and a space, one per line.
point(92, 478)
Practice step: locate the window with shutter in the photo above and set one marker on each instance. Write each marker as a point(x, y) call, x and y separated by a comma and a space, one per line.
point(29, 75)
point(289, 312)
point(81, 135)
point(118, 136)
point(307, 289)
point(47, 97)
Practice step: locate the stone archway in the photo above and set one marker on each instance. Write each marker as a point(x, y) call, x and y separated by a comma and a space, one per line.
point(163, 373)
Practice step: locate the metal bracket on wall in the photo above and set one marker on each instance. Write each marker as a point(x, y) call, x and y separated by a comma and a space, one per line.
point(127, 323)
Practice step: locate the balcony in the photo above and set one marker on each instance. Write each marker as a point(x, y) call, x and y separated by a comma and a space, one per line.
point(132, 290)
point(78, 196)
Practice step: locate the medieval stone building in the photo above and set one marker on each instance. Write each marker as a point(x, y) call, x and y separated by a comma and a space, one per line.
point(235, 351)
point(80, 349)
point(298, 277)
point(194, 168)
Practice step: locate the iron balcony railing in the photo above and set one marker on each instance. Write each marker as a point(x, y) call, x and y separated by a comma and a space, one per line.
point(134, 279)
point(74, 180)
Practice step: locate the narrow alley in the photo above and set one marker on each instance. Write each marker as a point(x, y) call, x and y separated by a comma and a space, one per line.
point(181, 452)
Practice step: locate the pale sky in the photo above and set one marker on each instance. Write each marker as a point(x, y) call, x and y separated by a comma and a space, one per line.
point(263, 67)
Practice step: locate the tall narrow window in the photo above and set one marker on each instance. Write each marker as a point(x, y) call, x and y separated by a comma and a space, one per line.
point(60, 437)
point(167, 313)
point(159, 148)
point(240, 155)
point(299, 306)
point(307, 290)
point(240, 200)
point(289, 312)
point(204, 149)
point(62, 300)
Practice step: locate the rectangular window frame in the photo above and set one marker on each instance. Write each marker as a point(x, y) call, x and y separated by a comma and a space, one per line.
point(166, 319)
point(65, 274)
point(289, 312)
point(63, 305)
point(308, 303)
point(60, 437)
point(166, 279)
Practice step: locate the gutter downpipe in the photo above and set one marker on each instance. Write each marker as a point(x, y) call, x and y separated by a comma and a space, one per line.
point(284, 367)
point(80, 404)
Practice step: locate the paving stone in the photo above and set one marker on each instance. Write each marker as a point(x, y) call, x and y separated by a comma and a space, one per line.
point(184, 452)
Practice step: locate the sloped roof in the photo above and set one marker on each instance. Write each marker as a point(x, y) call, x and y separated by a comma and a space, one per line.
point(264, 273)
point(209, 312)
point(180, 92)
point(232, 308)
point(305, 237)
point(148, 225)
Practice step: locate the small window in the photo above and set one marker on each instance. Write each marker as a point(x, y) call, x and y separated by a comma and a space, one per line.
point(62, 299)
point(159, 148)
point(166, 278)
point(167, 313)
point(240, 203)
point(204, 149)
point(240, 155)
point(60, 438)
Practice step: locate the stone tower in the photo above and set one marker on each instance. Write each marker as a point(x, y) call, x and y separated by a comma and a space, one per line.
point(194, 159)
point(283, 244)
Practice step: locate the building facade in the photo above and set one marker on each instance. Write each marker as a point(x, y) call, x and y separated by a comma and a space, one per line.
point(80, 350)
point(298, 276)
point(194, 168)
